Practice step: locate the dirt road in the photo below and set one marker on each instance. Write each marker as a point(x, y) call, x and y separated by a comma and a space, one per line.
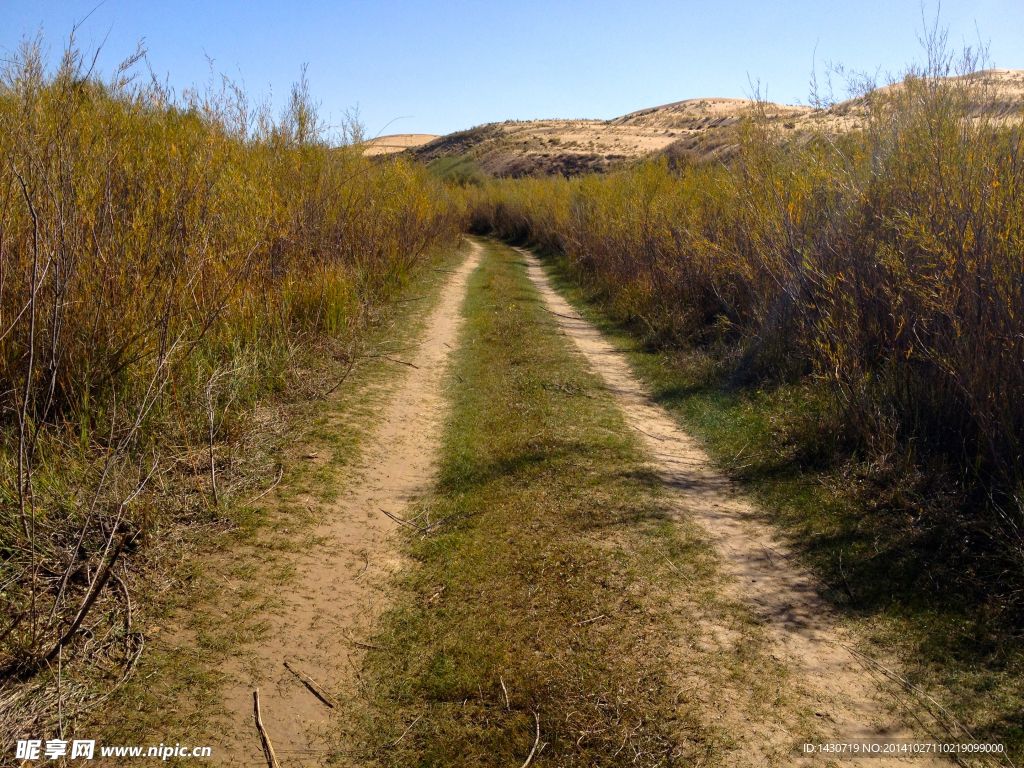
point(338, 589)
point(845, 697)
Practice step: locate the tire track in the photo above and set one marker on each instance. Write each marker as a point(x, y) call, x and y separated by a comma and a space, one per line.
point(847, 697)
point(338, 589)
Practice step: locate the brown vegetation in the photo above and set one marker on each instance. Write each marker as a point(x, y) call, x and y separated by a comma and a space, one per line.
point(165, 263)
point(398, 142)
point(881, 257)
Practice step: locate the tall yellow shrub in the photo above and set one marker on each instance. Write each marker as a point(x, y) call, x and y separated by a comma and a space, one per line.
point(159, 258)
point(886, 261)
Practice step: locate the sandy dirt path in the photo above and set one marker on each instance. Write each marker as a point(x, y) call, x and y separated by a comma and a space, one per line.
point(845, 697)
point(338, 589)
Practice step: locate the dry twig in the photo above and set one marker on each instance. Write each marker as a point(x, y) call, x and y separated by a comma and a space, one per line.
point(280, 474)
point(849, 591)
point(400, 521)
point(366, 557)
point(393, 360)
point(97, 585)
point(313, 686)
point(351, 365)
point(361, 645)
point(268, 748)
point(536, 743)
point(913, 689)
point(395, 742)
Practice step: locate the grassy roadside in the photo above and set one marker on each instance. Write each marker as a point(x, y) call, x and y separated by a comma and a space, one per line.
point(873, 533)
point(210, 589)
point(558, 592)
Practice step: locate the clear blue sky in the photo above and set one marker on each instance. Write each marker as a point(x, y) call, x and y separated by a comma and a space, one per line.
point(452, 64)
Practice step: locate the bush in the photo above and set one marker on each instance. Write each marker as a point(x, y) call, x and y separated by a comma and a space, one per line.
point(885, 261)
point(162, 260)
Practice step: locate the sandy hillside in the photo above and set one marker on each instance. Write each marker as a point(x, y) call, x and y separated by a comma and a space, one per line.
point(398, 142)
point(516, 148)
point(703, 126)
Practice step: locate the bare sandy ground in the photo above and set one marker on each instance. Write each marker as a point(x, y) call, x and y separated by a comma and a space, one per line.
point(845, 698)
point(398, 142)
point(338, 589)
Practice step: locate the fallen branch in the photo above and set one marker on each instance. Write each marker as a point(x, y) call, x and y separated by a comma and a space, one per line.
point(268, 748)
point(536, 742)
point(508, 706)
point(90, 598)
point(280, 474)
point(313, 686)
point(588, 621)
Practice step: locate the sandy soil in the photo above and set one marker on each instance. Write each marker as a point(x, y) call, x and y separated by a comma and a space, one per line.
point(338, 589)
point(398, 142)
point(845, 697)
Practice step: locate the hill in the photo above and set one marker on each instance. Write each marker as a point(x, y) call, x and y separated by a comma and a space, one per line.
point(519, 148)
point(398, 142)
point(702, 127)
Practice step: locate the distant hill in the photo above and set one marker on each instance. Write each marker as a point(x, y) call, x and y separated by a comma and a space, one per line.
point(702, 127)
point(398, 142)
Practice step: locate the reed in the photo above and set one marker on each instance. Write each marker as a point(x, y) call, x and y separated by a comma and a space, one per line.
point(884, 262)
point(164, 263)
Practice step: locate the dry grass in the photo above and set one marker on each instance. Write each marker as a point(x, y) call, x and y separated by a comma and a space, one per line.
point(515, 148)
point(165, 264)
point(699, 130)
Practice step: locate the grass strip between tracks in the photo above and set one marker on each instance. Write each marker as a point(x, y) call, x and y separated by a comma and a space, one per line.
point(553, 591)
